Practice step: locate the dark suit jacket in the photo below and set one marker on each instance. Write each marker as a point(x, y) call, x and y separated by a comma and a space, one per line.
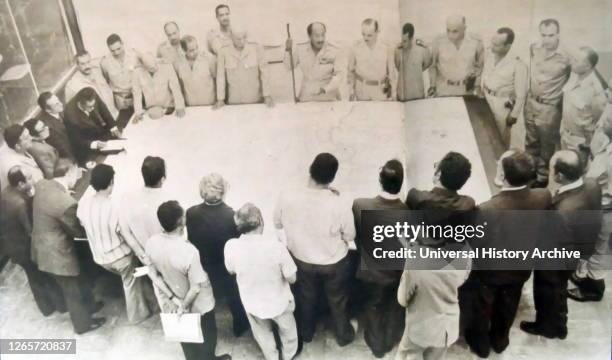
point(45, 156)
point(54, 228)
point(375, 275)
point(580, 210)
point(83, 129)
point(16, 224)
point(520, 230)
point(58, 135)
point(439, 198)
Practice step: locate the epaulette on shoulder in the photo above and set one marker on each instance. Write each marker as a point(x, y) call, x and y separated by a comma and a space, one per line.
point(420, 43)
point(303, 43)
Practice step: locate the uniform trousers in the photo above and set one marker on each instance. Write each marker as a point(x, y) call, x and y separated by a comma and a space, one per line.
point(597, 266)
point(263, 332)
point(542, 125)
point(497, 104)
point(329, 281)
point(365, 92)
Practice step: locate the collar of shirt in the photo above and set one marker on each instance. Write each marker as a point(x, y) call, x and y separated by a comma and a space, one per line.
point(62, 182)
point(571, 186)
point(513, 188)
point(557, 50)
point(80, 108)
point(387, 196)
point(574, 82)
point(54, 115)
point(174, 237)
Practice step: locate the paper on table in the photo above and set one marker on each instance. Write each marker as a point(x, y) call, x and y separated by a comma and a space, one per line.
point(114, 145)
point(184, 328)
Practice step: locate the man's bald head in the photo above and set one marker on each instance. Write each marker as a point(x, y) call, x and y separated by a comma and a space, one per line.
point(316, 32)
point(172, 33)
point(239, 36)
point(455, 27)
point(567, 166)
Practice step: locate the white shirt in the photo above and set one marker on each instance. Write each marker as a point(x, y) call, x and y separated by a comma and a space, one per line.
point(262, 267)
point(139, 215)
point(571, 186)
point(318, 224)
point(513, 188)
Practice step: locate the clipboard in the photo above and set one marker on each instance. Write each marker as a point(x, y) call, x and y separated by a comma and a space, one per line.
point(183, 328)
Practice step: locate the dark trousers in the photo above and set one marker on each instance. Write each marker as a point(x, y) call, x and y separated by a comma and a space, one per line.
point(224, 286)
point(316, 281)
point(78, 298)
point(497, 306)
point(205, 350)
point(45, 291)
point(383, 317)
point(550, 298)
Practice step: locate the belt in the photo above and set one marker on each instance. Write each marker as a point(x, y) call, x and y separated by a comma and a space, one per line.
point(496, 93)
point(544, 101)
point(368, 82)
point(455, 82)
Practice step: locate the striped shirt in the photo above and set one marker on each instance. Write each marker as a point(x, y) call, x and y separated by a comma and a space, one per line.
point(99, 216)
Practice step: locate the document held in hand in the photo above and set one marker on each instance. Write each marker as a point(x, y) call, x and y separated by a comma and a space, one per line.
point(184, 328)
point(114, 145)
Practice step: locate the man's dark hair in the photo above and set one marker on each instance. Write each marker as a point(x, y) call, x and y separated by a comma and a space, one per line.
point(113, 38)
point(85, 95)
point(80, 53)
point(572, 169)
point(31, 126)
point(153, 170)
point(391, 176)
point(455, 170)
point(591, 55)
point(15, 176)
point(12, 135)
point(518, 168)
point(548, 22)
point(102, 176)
point(370, 21)
point(219, 7)
point(509, 34)
point(186, 40)
point(323, 168)
point(310, 26)
point(43, 98)
point(169, 214)
point(62, 166)
point(408, 28)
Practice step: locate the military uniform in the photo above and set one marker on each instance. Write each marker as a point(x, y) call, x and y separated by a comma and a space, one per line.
point(118, 73)
point(216, 40)
point(170, 53)
point(583, 103)
point(242, 75)
point(452, 65)
point(160, 90)
point(548, 74)
point(369, 69)
point(505, 87)
point(410, 64)
point(320, 71)
point(198, 79)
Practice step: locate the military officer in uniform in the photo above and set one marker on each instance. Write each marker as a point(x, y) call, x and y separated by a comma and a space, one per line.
point(157, 84)
point(221, 37)
point(319, 62)
point(170, 50)
point(584, 100)
point(548, 74)
point(371, 72)
point(458, 59)
point(197, 74)
point(117, 67)
point(412, 57)
point(504, 82)
point(242, 74)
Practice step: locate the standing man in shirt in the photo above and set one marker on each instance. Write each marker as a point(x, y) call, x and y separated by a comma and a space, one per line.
point(371, 72)
point(117, 67)
point(319, 62)
point(264, 269)
point(383, 316)
point(156, 84)
point(458, 59)
point(178, 261)
point(52, 114)
point(412, 57)
point(209, 226)
point(18, 141)
point(548, 73)
point(584, 100)
point(45, 155)
point(54, 228)
point(221, 37)
point(89, 75)
point(242, 72)
point(504, 82)
point(318, 228)
point(197, 73)
point(99, 215)
point(170, 50)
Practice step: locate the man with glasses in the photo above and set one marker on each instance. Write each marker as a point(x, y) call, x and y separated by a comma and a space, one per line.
point(44, 154)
